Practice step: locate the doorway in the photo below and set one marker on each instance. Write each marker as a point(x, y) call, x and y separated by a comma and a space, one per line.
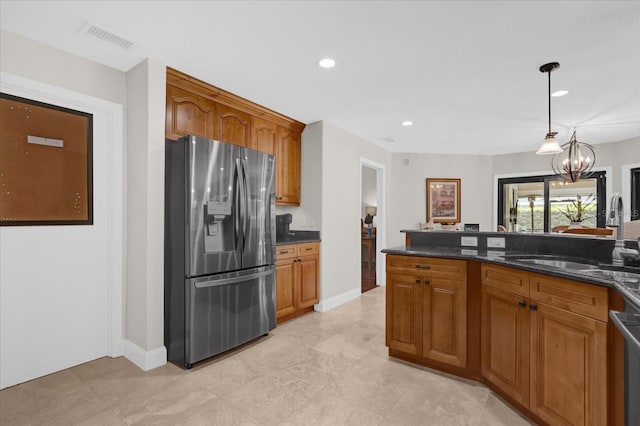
point(371, 223)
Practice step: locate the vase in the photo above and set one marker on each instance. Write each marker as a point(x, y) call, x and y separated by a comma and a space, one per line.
point(574, 225)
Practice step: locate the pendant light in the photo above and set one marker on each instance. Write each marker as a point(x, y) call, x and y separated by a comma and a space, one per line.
point(576, 160)
point(550, 145)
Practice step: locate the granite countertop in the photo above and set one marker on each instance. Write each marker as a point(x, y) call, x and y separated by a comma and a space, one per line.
point(298, 237)
point(626, 282)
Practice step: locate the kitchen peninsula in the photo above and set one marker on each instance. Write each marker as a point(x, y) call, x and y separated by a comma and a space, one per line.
point(528, 315)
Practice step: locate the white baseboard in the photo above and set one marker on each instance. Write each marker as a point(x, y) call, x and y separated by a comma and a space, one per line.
point(335, 301)
point(146, 360)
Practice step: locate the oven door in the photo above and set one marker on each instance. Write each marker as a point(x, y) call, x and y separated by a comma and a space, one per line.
point(628, 323)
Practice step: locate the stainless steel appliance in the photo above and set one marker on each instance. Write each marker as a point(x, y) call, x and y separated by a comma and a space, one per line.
point(628, 322)
point(219, 247)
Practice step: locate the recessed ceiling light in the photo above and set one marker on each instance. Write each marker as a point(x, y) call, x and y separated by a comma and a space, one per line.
point(407, 123)
point(559, 93)
point(327, 63)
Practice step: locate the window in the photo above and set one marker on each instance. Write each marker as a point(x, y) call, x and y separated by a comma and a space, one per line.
point(635, 193)
point(542, 203)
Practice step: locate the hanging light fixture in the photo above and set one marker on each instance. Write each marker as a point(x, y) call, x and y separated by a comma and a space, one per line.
point(576, 160)
point(550, 145)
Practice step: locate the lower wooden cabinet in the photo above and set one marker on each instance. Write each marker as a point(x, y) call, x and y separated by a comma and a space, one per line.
point(505, 342)
point(426, 315)
point(568, 367)
point(297, 271)
point(550, 359)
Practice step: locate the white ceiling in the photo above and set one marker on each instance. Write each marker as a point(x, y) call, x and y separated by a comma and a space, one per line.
point(466, 73)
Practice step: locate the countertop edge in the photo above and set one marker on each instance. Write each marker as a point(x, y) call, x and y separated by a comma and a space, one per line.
point(497, 257)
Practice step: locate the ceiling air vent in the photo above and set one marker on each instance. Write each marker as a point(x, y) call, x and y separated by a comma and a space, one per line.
point(104, 35)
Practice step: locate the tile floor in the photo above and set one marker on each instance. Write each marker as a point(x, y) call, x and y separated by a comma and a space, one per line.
point(320, 369)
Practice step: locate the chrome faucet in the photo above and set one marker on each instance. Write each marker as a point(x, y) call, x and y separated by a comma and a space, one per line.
point(616, 220)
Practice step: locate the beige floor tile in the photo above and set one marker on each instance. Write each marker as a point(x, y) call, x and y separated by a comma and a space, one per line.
point(327, 368)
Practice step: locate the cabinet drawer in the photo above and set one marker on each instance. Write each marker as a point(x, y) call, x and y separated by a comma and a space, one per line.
point(428, 266)
point(507, 279)
point(580, 298)
point(286, 252)
point(308, 249)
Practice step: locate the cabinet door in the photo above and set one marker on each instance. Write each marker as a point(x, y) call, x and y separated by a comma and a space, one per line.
point(307, 281)
point(444, 321)
point(232, 126)
point(505, 342)
point(285, 287)
point(404, 313)
point(188, 114)
point(288, 167)
point(264, 135)
point(568, 367)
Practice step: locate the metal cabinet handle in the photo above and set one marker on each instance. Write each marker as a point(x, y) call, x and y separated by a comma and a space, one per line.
point(533, 307)
point(426, 282)
point(423, 267)
point(418, 281)
point(308, 249)
point(522, 304)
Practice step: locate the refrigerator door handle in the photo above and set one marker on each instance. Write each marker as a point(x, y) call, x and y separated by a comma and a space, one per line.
point(245, 212)
point(237, 214)
point(232, 280)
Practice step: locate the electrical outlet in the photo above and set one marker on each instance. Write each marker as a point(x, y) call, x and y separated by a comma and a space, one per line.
point(469, 241)
point(493, 242)
point(303, 221)
point(468, 252)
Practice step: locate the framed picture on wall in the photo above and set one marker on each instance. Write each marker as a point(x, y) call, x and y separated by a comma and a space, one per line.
point(443, 200)
point(46, 164)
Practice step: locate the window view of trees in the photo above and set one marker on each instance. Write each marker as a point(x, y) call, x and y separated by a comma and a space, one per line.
point(544, 203)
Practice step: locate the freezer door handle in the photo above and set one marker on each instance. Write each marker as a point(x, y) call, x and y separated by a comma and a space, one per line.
point(232, 280)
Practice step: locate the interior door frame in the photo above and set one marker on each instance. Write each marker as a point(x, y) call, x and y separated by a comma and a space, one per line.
point(380, 217)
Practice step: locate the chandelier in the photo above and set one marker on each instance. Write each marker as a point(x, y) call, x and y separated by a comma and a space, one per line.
point(576, 160)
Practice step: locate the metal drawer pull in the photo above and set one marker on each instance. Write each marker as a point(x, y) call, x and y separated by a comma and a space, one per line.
point(522, 304)
point(308, 249)
point(426, 281)
point(418, 281)
point(533, 307)
point(284, 251)
point(423, 267)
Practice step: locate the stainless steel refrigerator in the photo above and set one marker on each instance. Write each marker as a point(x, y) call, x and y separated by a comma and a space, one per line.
point(219, 247)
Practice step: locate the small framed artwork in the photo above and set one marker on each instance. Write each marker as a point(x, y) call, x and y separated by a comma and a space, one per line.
point(443, 200)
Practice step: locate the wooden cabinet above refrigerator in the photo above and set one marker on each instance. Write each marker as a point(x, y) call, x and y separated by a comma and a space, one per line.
point(198, 108)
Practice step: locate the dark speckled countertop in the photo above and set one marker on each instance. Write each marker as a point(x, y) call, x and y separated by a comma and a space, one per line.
point(625, 280)
point(298, 237)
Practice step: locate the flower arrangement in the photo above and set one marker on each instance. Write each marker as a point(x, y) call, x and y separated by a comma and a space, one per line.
point(579, 210)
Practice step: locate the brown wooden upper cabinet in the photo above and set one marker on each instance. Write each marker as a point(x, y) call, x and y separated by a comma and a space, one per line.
point(188, 114)
point(231, 125)
point(198, 108)
point(264, 135)
point(288, 167)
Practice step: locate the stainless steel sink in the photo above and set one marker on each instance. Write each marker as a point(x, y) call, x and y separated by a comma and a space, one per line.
point(625, 277)
point(561, 264)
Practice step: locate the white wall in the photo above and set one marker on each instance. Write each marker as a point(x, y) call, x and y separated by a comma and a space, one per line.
point(407, 199)
point(142, 90)
point(58, 284)
point(340, 248)
point(36, 61)
point(145, 214)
